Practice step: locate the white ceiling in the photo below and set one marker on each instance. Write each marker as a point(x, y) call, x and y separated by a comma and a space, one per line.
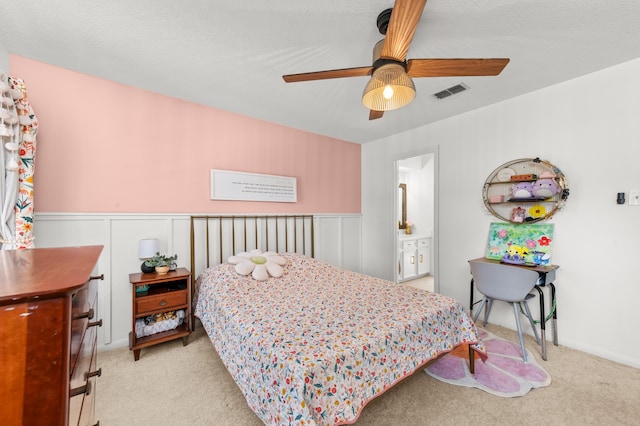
point(231, 54)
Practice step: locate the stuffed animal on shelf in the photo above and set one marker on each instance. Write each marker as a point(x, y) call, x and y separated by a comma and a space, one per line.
point(544, 188)
point(522, 190)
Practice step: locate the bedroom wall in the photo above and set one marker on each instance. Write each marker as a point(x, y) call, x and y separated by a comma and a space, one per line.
point(589, 128)
point(117, 164)
point(4, 58)
point(107, 147)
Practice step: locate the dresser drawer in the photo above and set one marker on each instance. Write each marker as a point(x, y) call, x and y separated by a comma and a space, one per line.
point(75, 408)
point(84, 298)
point(83, 312)
point(83, 383)
point(87, 415)
point(78, 374)
point(161, 302)
point(80, 385)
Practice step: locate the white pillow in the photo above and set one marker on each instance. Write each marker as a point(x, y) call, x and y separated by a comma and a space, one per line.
point(260, 265)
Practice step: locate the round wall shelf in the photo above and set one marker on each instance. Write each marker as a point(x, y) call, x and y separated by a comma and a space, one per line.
point(527, 190)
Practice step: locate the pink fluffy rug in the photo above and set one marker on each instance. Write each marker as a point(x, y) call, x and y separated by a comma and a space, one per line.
point(503, 374)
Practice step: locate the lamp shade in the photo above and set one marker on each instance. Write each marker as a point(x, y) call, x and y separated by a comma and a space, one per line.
point(148, 248)
point(389, 88)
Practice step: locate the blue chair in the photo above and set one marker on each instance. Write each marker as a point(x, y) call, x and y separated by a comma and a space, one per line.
point(510, 284)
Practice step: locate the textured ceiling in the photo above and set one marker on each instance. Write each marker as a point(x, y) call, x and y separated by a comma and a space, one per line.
point(231, 54)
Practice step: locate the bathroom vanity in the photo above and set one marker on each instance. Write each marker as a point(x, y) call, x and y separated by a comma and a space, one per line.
point(414, 254)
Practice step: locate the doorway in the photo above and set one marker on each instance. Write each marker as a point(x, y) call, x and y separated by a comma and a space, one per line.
point(416, 218)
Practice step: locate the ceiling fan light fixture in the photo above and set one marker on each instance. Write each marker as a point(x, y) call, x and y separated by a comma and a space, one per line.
point(389, 88)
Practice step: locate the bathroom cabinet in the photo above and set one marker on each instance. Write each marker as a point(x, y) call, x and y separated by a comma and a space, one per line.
point(414, 257)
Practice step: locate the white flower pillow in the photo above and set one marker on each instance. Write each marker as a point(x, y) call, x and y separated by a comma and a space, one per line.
point(260, 265)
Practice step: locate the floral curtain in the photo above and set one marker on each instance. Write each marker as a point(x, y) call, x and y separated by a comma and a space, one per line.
point(18, 130)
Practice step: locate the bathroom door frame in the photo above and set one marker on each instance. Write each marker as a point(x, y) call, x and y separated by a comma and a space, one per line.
point(434, 150)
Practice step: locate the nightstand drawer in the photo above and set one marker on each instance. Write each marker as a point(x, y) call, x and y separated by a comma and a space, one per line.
point(161, 302)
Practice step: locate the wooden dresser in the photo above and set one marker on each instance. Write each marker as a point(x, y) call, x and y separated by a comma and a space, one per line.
point(48, 302)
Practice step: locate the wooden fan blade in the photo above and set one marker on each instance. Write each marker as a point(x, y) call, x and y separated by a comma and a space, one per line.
point(322, 75)
point(374, 115)
point(455, 67)
point(404, 19)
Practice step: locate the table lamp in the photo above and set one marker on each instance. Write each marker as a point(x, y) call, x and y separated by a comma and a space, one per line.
point(148, 248)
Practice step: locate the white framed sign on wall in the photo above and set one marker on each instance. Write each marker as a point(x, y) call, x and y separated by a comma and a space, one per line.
point(241, 186)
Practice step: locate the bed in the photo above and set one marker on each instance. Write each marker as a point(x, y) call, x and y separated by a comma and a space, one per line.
point(315, 345)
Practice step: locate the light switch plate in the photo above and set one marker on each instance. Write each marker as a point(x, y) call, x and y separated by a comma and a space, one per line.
point(634, 197)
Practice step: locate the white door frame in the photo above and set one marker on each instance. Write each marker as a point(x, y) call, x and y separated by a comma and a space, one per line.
point(436, 224)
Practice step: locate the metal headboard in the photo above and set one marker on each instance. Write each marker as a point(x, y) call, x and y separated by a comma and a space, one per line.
point(215, 238)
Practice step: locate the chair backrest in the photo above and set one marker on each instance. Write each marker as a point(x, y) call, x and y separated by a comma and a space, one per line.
point(503, 282)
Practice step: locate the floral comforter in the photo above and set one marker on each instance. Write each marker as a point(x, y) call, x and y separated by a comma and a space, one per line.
point(314, 346)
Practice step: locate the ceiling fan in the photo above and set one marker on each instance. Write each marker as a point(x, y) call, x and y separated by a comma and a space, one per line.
point(390, 86)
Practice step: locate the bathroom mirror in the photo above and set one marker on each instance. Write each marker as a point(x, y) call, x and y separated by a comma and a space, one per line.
point(402, 206)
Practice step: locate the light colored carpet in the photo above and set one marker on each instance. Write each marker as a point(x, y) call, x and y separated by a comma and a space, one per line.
point(176, 385)
point(424, 283)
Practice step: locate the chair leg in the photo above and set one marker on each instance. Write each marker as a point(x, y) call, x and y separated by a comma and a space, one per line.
point(516, 311)
point(533, 327)
point(487, 311)
point(477, 314)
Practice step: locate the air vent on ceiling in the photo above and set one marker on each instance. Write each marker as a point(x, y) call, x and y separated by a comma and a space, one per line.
point(451, 91)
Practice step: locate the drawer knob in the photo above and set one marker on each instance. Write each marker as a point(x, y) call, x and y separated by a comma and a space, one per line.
point(95, 323)
point(86, 389)
point(88, 314)
point(90, 374)
point(164, 302)
point(98, 277)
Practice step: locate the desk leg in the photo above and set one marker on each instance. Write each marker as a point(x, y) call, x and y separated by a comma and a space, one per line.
point(543, 336)
point(554, 306)
point(471, 299)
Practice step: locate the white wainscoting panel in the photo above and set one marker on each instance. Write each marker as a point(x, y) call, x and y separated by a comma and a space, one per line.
point(337, 240)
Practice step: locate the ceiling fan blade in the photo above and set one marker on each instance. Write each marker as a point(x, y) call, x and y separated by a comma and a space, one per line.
point(404, 19)
point(322, 75)
point(455, 67)
point(374, 115)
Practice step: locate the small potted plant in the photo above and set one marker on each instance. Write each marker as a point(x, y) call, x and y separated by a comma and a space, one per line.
point(161, 263)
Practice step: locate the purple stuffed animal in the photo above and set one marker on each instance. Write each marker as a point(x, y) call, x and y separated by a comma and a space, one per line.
point(544, 188)
point(522, 190)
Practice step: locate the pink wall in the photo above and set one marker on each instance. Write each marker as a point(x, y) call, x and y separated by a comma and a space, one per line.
point(106, 147)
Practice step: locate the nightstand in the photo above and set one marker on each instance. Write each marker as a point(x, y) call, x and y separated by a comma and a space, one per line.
point(165, 293)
